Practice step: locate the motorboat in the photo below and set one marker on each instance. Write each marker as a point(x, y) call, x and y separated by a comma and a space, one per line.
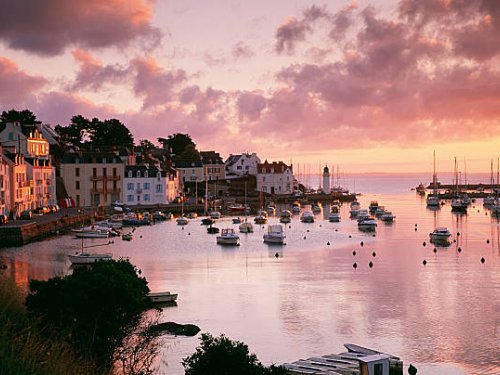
point(228, 237)
point(160, 216)
point(207, 221)
point(363, 214)
point(285, 217)
point(182, 220)
point(127, 237)
point(354, 211)
point(192, 215)
point(296, 207)
point(432, 201)
point(489, 200)
point(236, 220)
point(316, 208)
point(380, 211)
point(387, 217)
point(237, 208)
point(91, 232)
point(261, 217)
point(334, 217)
point(373, 207)
point(275, 234)
point(215, 215)
point(367, 224)
point(89, 258)
point(162, 297)
point(114, 223)
point(458, 204)
point(307, 217)
point(440, 234)
point(212, 230)
point(246, 227)
point(271, 210)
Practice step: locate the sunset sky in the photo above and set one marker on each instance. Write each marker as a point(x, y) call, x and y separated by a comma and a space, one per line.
point(369, 85)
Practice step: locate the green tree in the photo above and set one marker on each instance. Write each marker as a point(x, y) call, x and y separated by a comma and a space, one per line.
point(74, 133)
point(177, 142)
point(95, 307)
point(222, 356)
point(25, 117)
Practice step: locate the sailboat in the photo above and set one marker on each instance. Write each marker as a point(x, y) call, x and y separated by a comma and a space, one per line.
point(457, 203)
point(246, 227)
point(495, 208)
point(182, 220)
point(88, 258)
point(433, 200)
point(490, 199)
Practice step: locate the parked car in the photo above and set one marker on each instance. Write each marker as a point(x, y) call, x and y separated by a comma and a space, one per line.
point(3, 219)
point(26, 215)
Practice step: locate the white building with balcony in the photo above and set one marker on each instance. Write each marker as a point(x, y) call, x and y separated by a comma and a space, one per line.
point(143, 185)
point(43, 175)
point(20, 187)
point(4, 186)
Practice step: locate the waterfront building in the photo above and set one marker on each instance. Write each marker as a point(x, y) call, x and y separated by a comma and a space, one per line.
point(326, 180)
point(189, 171)
point(241, 165)
point(213, 166)
point(148, 185)
point(275, 178)
point(93, 179)
point(20, 189)
point(4, 186)
point(43, 175)
point(26, 139)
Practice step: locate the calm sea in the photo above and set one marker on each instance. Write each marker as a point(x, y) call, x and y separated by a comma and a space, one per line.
point(443, 317)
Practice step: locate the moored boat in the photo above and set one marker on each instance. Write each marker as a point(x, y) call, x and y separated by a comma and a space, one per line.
point(440, 234)
point(162, 297)
point(91, 232)
point(89, 258)
point(228, 237)
point(373, 207)
point(367, 224)
point(388, 217)
point(307, 217)
point(182, 220)
point(285, 217)
point(275, 234)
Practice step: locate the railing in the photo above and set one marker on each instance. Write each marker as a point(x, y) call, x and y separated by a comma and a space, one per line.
point(114, 178)
point(96, 178)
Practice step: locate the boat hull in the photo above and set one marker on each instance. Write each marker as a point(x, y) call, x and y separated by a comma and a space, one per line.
point(85, 258)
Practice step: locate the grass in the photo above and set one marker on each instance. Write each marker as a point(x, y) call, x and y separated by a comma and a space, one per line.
point(25, 349)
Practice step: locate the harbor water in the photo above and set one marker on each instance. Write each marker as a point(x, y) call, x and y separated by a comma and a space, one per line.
point(306, 299)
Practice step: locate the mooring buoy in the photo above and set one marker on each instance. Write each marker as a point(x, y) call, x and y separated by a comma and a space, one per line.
point(483, 260)
point(424, 262)
point(370, 264)
point(354, 253)
point(355, 265)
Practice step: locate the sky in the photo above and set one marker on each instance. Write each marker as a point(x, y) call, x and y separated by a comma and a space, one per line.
point(371, 86)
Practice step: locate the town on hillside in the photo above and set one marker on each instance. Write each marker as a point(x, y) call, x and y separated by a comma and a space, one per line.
point(94, 164)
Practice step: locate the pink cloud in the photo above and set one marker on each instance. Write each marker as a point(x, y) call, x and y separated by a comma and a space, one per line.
point(93, 74)
point(17, 85)
point(156, 85)
point(241, 50)
point(48, 27)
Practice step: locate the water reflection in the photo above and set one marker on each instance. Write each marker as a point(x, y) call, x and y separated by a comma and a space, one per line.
point(310, 300)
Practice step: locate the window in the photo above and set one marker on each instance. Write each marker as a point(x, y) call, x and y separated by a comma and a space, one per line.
point(378, 369)
point(159, 188)
point(138, 174)
point(77, 172)
point(138, 185)
point(77, 185)
point(130, 186)
point(145, 173)
point(146, 197)
point(146, 186)
point(77, 201)
point(130, 198)
point(104, 172)
point(114, 172)
point(239, 167)
point(264, 179)
point(130, 173)
point(94, 172)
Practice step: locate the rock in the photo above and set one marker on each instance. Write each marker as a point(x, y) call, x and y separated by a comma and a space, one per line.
point(176, 329)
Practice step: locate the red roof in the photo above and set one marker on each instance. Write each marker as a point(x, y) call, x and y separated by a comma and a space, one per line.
point(276, 167)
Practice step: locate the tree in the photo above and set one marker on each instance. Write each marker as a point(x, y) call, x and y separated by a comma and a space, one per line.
point(110, 133)
point(96, 308)
point(74, 133)
point(177, 142)
point(222, 356)
point(25, 117)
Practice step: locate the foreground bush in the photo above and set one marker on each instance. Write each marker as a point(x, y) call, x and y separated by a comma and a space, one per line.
point(95, 308)
point(23, 348)
point(222, 356)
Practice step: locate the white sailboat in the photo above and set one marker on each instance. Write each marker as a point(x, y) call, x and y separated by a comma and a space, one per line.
point(433, 200)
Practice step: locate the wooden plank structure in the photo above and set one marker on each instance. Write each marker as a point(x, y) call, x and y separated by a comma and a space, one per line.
point(356, 361)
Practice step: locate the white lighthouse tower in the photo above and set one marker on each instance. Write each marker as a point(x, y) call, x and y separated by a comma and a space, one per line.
point(326, 180)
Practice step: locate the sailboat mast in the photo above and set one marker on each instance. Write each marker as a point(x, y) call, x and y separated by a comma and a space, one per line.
point(434, 178)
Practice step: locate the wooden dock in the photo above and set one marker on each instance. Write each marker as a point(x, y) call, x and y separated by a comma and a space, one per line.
point(356, 361)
